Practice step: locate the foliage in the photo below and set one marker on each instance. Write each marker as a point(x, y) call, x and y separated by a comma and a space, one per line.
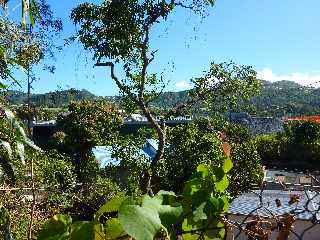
point(54, 182)
point(286, 98)
point(199, 142)
point(18, 208)
point(188, 146)
point(21, 47)
point(296, 148)
point(247, 169)
point(88, 198)
point(225, 85)
point(80, 123)
point(236, 133)
point(5, 228)
point(13, 140)
point(120, 32)
point(55, 171)
point(51, 99)
point(37, 113)
point(124, 23)
point(81, 133)
point(282, 98)
point(12, 39)
point(303, 132)
point(133, 162)
point(198, 212)
point(268, 147)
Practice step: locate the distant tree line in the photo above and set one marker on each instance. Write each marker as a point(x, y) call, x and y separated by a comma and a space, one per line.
point(283, 98)
point(51, 99)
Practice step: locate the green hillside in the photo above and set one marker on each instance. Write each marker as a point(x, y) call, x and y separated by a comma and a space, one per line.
point(276, 99)
point(287, 98)
point(51, 99)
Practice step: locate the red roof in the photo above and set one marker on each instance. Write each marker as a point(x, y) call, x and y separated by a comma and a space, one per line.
point(314, 118)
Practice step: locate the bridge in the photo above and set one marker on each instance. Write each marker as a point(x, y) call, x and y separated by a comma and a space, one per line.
point(42, 131)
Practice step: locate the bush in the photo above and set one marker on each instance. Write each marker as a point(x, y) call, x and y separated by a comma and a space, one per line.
point(199, 142)
point(78, 133)
point(188, 146)
point(305, 132)
point(247, 168)
point(296, 148)
point(268, 147)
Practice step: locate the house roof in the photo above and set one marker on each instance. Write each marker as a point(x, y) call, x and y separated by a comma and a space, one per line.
point(104, 153)
point(249, 204)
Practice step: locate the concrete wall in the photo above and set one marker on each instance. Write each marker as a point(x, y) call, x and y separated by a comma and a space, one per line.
point(258, 125)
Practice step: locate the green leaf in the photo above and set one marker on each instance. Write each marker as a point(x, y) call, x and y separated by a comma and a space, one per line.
point(224, 202)
point(215, 203)
point(57, 228)
point(222, 185)
point(7, 168)
point(111, 206)
point(139, 222)
point(227, 165)
point(192, 186)
point(31, 13)
point(114, 229)
point(186, 228)
point(82, 230)
point(99, 232)
point(199, 214)
point(3, 86)
point(204, 169)
point(199, 197)
point(169, 214)
point(219, 173)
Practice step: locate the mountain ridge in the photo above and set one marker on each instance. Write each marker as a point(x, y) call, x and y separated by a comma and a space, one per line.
point(277, 98)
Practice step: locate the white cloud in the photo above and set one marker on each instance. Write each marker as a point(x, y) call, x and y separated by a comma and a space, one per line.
point(183, 85)
point(305, 79)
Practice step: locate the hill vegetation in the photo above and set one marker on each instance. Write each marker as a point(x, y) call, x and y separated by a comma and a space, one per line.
point(51, 99)
point(280, 98)
point(276, 99)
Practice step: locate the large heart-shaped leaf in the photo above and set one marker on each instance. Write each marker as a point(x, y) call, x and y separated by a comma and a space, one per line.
point(142, 223)
point(114, 229)
point(169, 214)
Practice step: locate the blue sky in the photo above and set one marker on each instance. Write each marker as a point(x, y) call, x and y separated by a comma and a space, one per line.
point(279, 38)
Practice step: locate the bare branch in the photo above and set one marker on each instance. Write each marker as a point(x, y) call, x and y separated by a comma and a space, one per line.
point(152, 55)
point(180, 4)
point(120, 85)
